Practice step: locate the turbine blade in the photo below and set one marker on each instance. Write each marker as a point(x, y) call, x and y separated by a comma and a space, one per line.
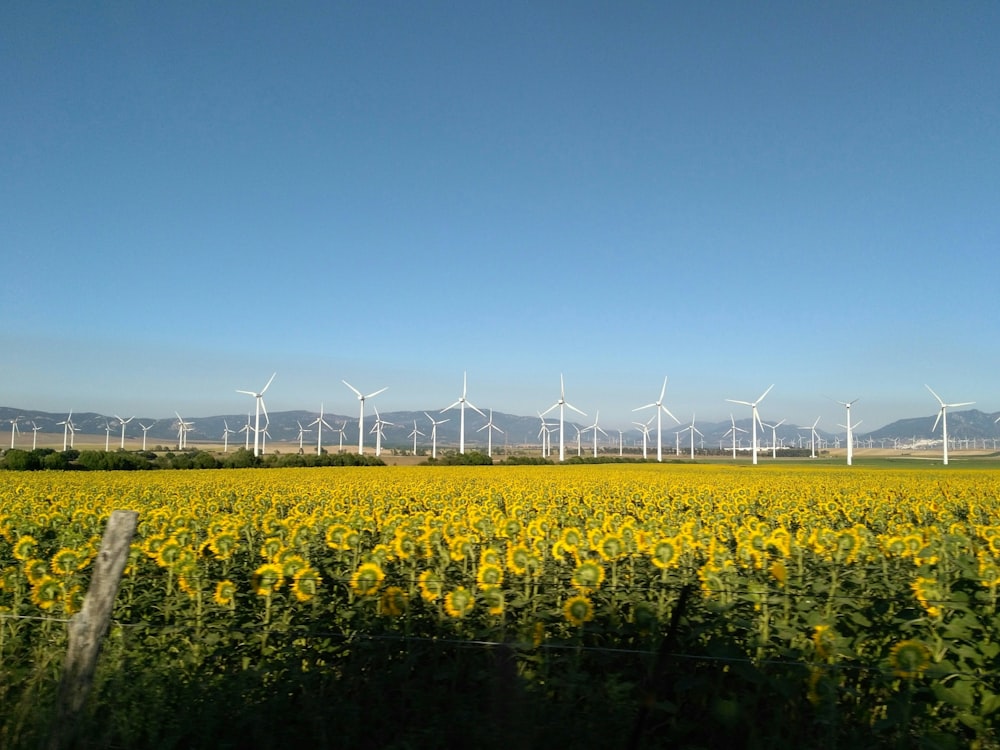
point(380, 390)
point(575, 409)
point(765, 393)
point(351, 387)
point(940, 400)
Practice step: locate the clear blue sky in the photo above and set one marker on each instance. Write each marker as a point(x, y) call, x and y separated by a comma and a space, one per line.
point(195, 195)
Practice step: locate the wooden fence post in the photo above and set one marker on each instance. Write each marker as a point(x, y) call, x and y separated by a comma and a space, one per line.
point(88, 627)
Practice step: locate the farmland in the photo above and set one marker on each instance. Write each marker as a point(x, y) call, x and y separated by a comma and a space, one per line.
point(631, 605)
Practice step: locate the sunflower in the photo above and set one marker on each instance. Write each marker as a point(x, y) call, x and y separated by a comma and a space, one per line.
point(267, 579)
point(305, 582)
point(909, 659)
point(664, 553)
point(494, 600)
point(611, 547)
point(223, 544)
point(35, 570)
point(367, 579)
point(393, 602)
point(779, 572)
point(489, 575)
point(46, 592)
point(926, 591)
point(336, 537)
point(73, 600)
point(578, 610)
point(459, 603)
point(225, 593)
point(823, 641)
point(25, 547)
point(271, 548)
point(431, 585)
point(168, 553)
point(490, 556)
point(588, 576)
point(67, 561)
point(291, 562)
point(518, 558)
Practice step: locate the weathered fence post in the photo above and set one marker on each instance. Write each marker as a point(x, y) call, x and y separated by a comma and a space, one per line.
point(88, 627)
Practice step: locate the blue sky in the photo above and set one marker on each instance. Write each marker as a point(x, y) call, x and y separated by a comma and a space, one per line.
point(196, 195)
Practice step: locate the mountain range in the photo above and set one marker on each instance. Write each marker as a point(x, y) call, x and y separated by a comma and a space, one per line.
point(285, 427)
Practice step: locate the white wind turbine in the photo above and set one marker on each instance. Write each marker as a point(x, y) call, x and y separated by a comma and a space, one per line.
point(182, 430)
point(67, 428)
point(850, 430)
point(246, 428)
point(660, 409)
point(13, 428)
point(414, 435)
point(489, 427)
point(320, 422)
point(644, 428)
point(812, 439)
point(341, 431)
point(226, 432)
point(434, 433)
point(379, 433)
point(596, 429)
point(754, 417)
point(692, 429)
point(145, 429)
point(259, 399)
point(34, 435)
point(732, 431)
point(774, 436)
point(107, 436)
point(361, 416)
point(462, 401)
point(562, 403)
point(302, 432)
point(123, 423)
point(579, 441)
point(943, 418)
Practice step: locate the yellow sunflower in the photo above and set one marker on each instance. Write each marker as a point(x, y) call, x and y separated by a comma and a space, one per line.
point(489, 575)
point(47, 592)
point(431, 585)
point(588, 576)
point(225, 593)
point(305, 583)
point(267, 579)
point(459, 603)
point(578, 610)
point(367, 579)
point(909, 659)
point(393, 602)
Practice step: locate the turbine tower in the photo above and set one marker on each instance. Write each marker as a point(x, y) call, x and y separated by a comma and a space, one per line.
point(13, 428)
point(34, 435)
point(414, 436)
point(754, 417)
point(943, 418)
point(434, 433)
point(361, 416)
point(660, 409)
point(259, 399)
point(462, 401)
point(850, 429)
point(732, 431)
point(67, 429)
point(562, 403)
point(644, 429)
point(596, 429)
point(145, 429)
point(692, 429)
point(813, 436)
point(774, 436)
point(319, 422)
point(226, 432)
point(124, 422)
point(489, 427)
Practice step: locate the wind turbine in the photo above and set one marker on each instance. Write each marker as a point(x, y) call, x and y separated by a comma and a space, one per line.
point(692, 429)
point(319, 422)
point(361, 417)
point(124, 422)
point(246, 428)
point(754, 417)
point(489, 427)
point(732, 431)
point(943, 418)
point(225, 436)
point(596, 429)
point(183, 428)
point(67, 428)
point(850, 428)
point(462, 401)
point(813, 436)
point(341, 430)
point(562, 403)
point(644, 428)
point(302, 432)
point(34, 435)
point(259, 399)
point(13, 428)
point(660, 409)
point(377, 429)
point(107, 436)
point(414, 436)
point(145, 429)
point(774, 436)
point(434, 433)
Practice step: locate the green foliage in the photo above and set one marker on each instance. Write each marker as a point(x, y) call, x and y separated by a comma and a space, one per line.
point(454, 458)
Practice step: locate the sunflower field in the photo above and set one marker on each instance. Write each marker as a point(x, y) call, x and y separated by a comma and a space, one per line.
point(499, 606)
